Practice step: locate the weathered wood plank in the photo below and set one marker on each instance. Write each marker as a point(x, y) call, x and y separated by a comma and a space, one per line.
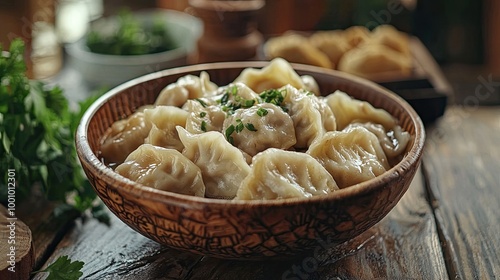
point(404, 244)
point(462, 161)
point(47, 229)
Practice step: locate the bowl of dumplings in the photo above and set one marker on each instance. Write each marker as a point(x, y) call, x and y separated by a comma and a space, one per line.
point(250, 160)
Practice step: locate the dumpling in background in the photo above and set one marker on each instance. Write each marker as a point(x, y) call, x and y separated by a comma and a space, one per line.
point(222, 165)
point(356, 35)
point(163, 169)
point(276, 74)
point(310, 84)
point(374, 61)
point(164, 119)
point(333, 43)
point(203, 118)
point(389, 36)
point(123, 137)
point(393, 141)
point(186, 87)
point(351, 156)
point(311, 117)
point(278, 174)
point(260, 127)
point(296, 48)
point(348, 110)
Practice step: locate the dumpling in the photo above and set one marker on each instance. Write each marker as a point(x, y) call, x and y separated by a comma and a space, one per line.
point(389, 36)
point(236, 95)
point(310, 84)
point(164, 119)
point(393, 142)
point(356, 35)
point(348, 110)
point(311, 117)
point(373, 61)
point(278, 174)
point(186, 87)
point(123, 137)
point(332, 43)
point(351, 157)
point(276, 74)
point(203, 117)
point(222, 165)
point(296, 48)
point(163, 169)
point(260, 127)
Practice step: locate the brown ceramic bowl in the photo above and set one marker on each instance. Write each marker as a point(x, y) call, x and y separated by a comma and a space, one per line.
point(247, 230)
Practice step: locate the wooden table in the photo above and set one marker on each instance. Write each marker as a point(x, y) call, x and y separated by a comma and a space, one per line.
point(447, 226)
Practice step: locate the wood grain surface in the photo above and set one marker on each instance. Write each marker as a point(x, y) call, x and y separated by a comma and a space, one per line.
point(462, 165)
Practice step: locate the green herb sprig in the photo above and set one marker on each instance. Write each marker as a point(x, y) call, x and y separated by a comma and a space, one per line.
point(63, 268)
point(238, 127)
point(37, 137)
point(231, 101)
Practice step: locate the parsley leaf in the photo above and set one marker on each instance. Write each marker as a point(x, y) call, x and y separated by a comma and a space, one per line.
point(64, 269)
point(37, 130)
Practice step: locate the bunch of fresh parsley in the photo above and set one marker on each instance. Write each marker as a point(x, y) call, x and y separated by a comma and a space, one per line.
point(37, 131)
point(37, 137)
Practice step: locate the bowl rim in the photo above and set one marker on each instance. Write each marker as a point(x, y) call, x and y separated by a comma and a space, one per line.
point(80, 51)
point(137, 190)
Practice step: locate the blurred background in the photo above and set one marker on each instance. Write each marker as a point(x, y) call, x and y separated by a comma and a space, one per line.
point(463, 36)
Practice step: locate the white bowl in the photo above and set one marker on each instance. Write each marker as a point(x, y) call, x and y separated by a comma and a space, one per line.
point(111, 70)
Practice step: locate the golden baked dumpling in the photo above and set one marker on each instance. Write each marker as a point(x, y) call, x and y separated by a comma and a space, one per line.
point(296, 48)
point(332, 43)
point(374, 60)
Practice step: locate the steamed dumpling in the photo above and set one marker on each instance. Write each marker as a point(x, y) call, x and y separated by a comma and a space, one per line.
point(356, 35)
point(123, 137)
point(393, 142)
point(223, 166)
point(278, 174)
point(186, 87)
point(260, 127)
point(311, 117)
point(348, 110)
point(275, 75)
point(203, 117)
point(389, 36)
point(296, 48)
point(164, 119)
point(163, 169)
point(351, 156)
point(332, 43)
point(372, 60)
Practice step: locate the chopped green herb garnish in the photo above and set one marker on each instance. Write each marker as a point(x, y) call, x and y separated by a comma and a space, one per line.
point(204, 126)
point(224, 99)
point(202, 102)
point(239, 126)
point(230, 131)
point(234, 90)
point(273, 96)
point(262, 112)
point(248, 103)
point(250, 127)
point(203, 114)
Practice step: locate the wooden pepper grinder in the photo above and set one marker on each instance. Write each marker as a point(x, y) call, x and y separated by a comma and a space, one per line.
point(230, 30)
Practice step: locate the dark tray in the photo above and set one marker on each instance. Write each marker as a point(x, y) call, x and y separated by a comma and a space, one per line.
point(427, 90)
